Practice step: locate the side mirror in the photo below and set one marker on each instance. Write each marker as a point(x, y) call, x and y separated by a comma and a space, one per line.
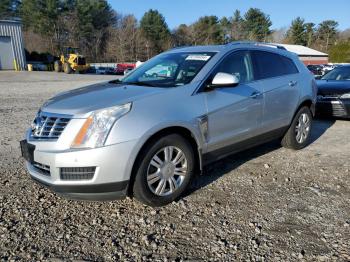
point(224, 80)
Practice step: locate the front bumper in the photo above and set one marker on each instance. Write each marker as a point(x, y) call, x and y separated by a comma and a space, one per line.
point(101, 192)
point(333, 106)
point(111, 170)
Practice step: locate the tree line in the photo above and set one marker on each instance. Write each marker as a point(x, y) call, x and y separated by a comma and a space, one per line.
point(104, 35)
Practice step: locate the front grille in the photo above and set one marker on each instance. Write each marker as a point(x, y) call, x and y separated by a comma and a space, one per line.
point(48, 126)
point(331, 107)
point(42, 169)
point(77, 173)
point(338, 109)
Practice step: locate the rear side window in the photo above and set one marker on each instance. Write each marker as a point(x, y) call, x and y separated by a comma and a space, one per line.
point(290, 67)
point(270, 65)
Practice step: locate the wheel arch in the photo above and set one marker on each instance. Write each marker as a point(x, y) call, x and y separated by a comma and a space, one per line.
point(180, 130)
point(306, 102)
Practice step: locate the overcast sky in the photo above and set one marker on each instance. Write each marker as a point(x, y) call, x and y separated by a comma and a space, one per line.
point(281, 12)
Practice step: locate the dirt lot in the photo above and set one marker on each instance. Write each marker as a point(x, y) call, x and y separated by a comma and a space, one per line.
point(265, 204)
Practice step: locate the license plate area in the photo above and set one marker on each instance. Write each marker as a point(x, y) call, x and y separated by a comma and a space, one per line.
point(27, 151)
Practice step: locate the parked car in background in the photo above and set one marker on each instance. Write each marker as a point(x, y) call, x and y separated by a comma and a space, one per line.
point(326, 68)
point(101, 70)
point(147, 136)
point(122, 67)
point(127, 71)
point(138, 63)
point(333, 97)
point(316, 70)
point(162, 70)
point(110, 71)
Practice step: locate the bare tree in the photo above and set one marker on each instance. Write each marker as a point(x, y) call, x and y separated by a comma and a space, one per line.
point(279, 35)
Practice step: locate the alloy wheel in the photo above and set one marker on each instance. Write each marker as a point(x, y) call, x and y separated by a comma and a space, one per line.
point(166, 171)
point(302, 128)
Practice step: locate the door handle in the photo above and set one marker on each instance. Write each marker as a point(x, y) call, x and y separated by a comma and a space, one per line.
point(293, 83)
point(255, 94)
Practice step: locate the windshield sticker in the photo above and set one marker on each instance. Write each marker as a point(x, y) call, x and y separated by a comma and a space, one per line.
point(198, 57)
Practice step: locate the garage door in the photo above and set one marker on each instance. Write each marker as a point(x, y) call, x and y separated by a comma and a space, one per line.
point(6, 53)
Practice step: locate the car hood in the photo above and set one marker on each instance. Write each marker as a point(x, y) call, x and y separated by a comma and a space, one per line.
point(81, 101)
point(333, 87)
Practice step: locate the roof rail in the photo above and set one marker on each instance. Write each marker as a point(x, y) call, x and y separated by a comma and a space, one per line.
point(179, 46)
point(258, 44)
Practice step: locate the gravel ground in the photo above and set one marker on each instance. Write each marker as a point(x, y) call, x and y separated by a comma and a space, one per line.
point(265, 204)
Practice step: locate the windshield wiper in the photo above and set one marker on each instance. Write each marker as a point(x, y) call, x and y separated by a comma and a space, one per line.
point(138, 83)
point(116, 81)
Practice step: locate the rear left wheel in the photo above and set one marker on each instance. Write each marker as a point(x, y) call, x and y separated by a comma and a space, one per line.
point(165, 169)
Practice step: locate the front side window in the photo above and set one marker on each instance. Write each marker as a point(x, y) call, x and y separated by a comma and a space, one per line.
point(239, 64)
point(272, 65)
point(169, 70)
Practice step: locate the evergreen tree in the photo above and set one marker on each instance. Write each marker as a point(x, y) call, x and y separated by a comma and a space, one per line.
point(93, 19)
point(9, 9)
point(156, 32)
point(326, 33)
point(340, 53)
point(237, 26)
point(183, 35)
point(79, 23)
point(207, 31)
point(297, 32)
point(257, 25)
point(42, 16)
point(310, 33)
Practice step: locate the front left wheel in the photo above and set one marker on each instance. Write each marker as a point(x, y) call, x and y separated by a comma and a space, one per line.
point(58, 66)
point(67, 69)
point(164, 170)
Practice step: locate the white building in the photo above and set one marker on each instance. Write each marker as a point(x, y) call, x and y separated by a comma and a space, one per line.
point(307, 55)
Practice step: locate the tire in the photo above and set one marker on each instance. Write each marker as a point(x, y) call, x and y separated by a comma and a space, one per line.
point(302, 121)
point(57, 66)
point(67, 69)
point(147, 187)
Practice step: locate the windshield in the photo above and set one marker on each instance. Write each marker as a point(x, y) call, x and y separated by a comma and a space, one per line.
point(169, 70)
point(339, 73)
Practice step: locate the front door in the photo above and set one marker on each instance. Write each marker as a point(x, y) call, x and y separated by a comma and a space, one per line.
point(234, 113)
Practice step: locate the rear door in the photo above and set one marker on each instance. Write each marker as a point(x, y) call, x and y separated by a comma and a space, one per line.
point(278, 77)
point(234, 113)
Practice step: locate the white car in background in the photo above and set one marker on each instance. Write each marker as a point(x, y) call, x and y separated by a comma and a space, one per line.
point(327, 68)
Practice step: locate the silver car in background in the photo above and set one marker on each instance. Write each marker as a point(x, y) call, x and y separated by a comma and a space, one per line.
point(149, 134)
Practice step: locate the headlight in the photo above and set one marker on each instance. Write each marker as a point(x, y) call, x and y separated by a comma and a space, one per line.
point(96, 128)
point(346, 96)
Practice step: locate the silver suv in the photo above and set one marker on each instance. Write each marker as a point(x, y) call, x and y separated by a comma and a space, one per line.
point(148, 135)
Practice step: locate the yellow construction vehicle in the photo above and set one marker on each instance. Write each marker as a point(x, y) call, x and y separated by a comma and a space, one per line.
point(71, 61)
